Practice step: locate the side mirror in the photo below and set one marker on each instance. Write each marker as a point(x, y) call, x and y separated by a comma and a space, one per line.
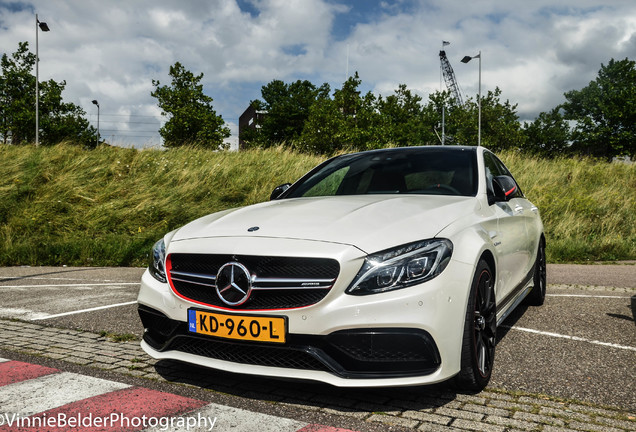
point(504, 188)
point(278, 191)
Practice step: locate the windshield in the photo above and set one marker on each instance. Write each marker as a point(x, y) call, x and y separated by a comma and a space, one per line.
point(420, 170)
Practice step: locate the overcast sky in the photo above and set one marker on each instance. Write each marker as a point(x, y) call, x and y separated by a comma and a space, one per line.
point(112, 50)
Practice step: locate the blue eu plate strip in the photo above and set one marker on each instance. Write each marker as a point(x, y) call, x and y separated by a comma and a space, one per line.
point(192, 320)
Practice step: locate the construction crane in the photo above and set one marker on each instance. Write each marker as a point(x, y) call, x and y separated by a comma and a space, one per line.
point(449, 78)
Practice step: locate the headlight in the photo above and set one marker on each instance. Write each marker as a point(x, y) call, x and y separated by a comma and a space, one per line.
point(157, 261)
point(402, 267)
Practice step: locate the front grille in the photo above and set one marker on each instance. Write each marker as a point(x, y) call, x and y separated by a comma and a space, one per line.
point(247, 354)
point(277, 282)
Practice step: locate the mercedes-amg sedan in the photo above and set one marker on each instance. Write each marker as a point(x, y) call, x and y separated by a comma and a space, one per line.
point(383, 268)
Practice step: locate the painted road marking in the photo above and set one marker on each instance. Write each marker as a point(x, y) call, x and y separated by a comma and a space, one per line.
point(89, 294)
point(54, 278)
point(68, 285)
point(20, 313)
point(587, 296)
point(125, 409)
point(35, 398)
point(15, 371)
point(574, 338)
point(47, 316)
point(34, 395)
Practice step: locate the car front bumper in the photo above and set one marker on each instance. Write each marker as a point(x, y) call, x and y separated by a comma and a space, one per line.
point(410, 336)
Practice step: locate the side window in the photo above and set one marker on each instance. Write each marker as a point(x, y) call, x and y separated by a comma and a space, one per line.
point(492, 170)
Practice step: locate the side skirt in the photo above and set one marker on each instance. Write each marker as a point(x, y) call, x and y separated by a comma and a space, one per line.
point(515, 298)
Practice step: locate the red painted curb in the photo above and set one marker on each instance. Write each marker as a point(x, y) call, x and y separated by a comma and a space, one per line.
point(16, 371)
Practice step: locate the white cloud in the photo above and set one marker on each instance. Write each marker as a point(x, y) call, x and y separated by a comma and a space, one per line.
point(534, 51)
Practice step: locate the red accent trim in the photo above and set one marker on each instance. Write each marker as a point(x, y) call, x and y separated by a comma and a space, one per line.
point(181, 296)
point(511, 191)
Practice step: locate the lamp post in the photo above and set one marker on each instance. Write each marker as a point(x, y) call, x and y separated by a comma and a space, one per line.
point(44, 28)
point(466, 59)
point(97, 103)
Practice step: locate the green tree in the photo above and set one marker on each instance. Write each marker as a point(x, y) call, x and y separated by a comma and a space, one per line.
point(17, 90)
point(404, 118)
point(348, 121)
point(548, 135)
point(500, 127)
point(287, 107)
point(62, 121)
point(192, 119)
point(440, 103)
point(58, 120)
point(359, 120)
point(605, 112)
point(322, 132)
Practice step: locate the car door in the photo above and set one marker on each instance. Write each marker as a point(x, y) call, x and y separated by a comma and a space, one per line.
point(511, 237)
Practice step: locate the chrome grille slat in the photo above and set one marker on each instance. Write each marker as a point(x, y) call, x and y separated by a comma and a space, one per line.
point(193, 282)
point(291, 280)
point(196, 275)
point(291, 283)
point(321, 283)
point(257, 288)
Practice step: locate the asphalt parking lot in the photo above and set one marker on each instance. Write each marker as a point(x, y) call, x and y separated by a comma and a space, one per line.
point(581, 345)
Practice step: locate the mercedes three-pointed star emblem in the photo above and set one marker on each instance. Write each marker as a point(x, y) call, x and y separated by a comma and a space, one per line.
point(233, 283)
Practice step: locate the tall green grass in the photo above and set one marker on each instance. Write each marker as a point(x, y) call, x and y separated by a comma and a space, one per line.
point(64, 205)
point(588, 206)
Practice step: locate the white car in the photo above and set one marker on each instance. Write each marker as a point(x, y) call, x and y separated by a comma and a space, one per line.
point(382, 268)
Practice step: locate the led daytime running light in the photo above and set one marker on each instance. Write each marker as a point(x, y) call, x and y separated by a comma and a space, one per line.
point(402, 267)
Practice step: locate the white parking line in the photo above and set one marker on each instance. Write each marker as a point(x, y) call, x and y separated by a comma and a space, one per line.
point(587, 296)
point(83, 310)
point(70, 285)
point(52, 278)
point(574, 338)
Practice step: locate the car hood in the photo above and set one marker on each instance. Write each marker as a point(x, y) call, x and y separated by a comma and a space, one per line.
point(368, 222)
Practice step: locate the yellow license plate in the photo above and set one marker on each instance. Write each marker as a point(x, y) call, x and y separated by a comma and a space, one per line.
point(241, 327)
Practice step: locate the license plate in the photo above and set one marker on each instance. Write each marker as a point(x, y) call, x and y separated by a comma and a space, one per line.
point(241, 327)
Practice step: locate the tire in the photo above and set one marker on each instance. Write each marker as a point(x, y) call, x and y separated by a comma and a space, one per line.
point(480, 332)
point(536, 297)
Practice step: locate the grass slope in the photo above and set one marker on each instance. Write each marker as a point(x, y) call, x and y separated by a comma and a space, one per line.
point(63, 205)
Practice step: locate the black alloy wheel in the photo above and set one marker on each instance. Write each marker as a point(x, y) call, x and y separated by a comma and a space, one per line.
point(537, 295)
point(480, 332)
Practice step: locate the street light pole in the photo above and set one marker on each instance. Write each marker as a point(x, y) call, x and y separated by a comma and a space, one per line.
point(44, 28)
point(479, 104)
point(466, 59)
point(97, 103)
